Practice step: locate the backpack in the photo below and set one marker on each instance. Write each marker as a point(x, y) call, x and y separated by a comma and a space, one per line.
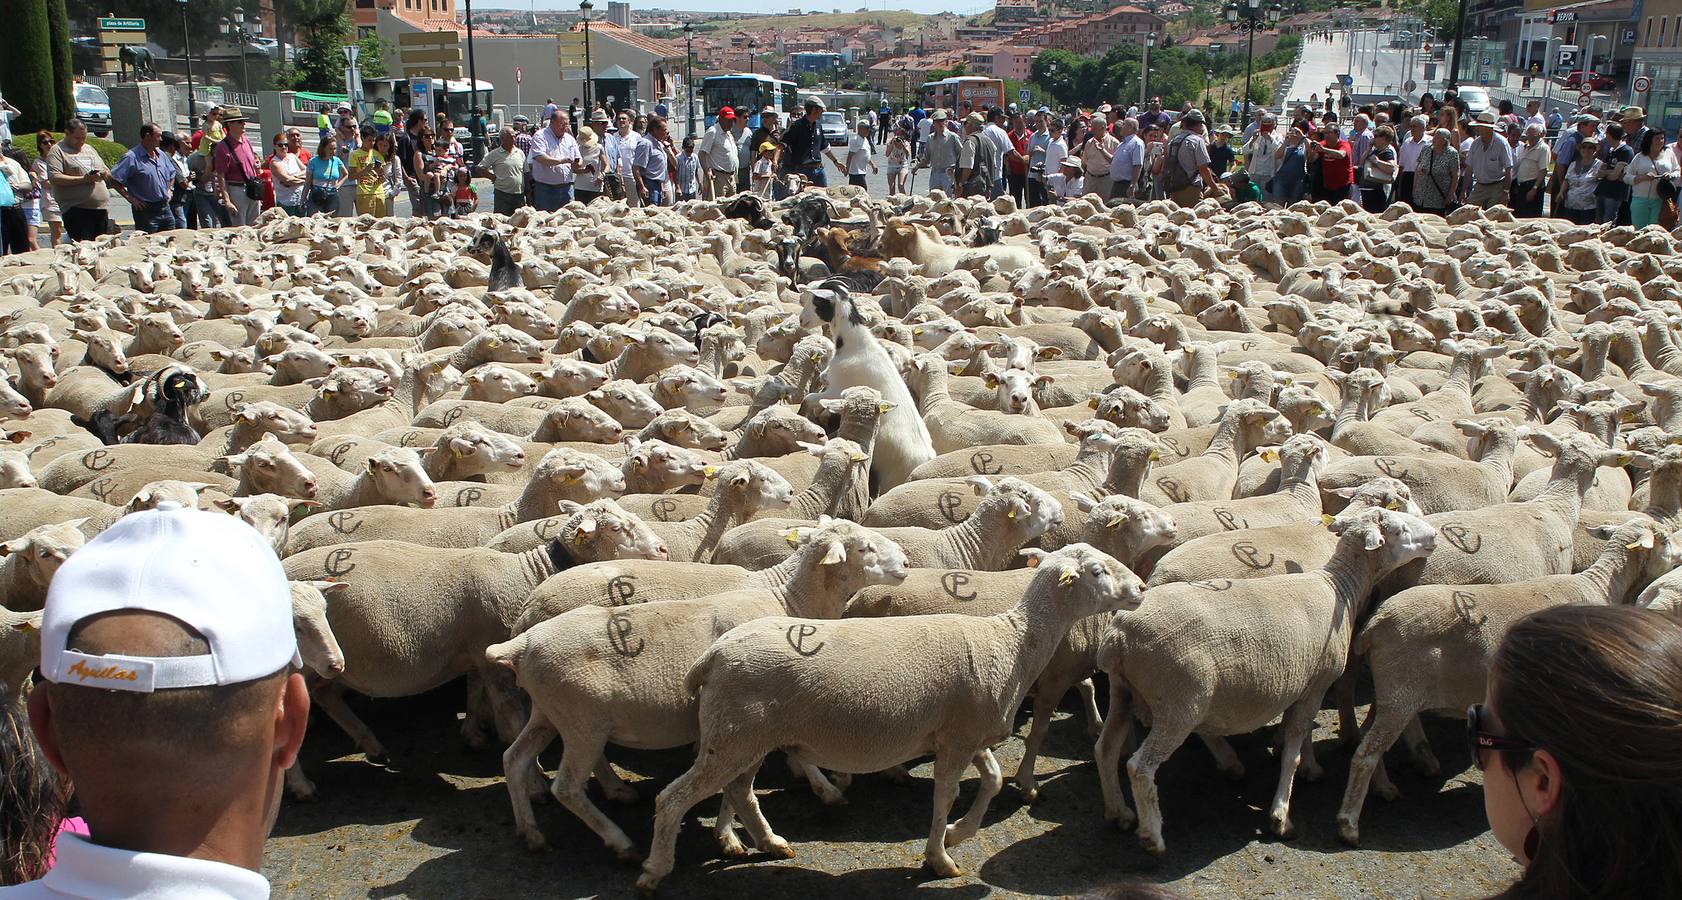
point(1176, 178)
point(982, 175)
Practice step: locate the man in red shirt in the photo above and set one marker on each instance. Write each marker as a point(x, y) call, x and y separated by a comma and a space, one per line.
point(235, 164)
point(1337, 171)
point(1016, 160)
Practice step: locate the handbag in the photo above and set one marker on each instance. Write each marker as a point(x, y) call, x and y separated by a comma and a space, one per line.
point(322, 195)
point(253, 189)
point(1668, 214)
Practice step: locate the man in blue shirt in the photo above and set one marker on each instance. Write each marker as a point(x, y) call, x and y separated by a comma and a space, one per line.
point(1037, 144)
point(884, 120)
point(145, 178)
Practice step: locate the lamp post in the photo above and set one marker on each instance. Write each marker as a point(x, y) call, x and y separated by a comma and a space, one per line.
point(1145, 68)
point(584, 7)
point(1547, 72)
point(689, 73)
point(1459, 35)
point(237, 30)
point(753, 45)
point(1588, 59)
point(1250, 16)
point(477, 120)
point(187, 51)
point(1208, 82)
point(904, 87)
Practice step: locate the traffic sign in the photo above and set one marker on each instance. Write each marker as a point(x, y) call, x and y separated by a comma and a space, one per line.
point(569, 49)
point(1023, 95)
point(122, 24)
point(1642, 84)
point(1411, 86)
point(1584, 99)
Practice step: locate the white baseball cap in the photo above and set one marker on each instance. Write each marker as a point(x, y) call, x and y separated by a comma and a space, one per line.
point(210, 571)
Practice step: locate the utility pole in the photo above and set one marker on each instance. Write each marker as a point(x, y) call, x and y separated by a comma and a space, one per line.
point(1459, 35)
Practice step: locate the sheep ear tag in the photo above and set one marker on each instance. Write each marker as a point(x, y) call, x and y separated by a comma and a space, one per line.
point(1067, 578)
point(792, 536)
point(1326, 520)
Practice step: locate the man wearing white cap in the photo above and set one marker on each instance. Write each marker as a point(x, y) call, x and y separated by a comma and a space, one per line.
point(172, 702)
point(1489, 159)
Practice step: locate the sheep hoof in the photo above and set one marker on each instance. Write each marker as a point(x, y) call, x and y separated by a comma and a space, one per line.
point(1124, 819)
point(897, 775)
point(1312, 773)
point(1426, 764)
point(377, 757)
point(943, 867)
point(1386, 790)
point(647, 884)
point(841, 780)
point(627, 854)
point(1280, 825)
point(1152, 844)
point(1030, 792)
point(535, 841)
point(304, 794)
point(732, 846)
point(1349, 833)
point(776, 846)
point(619, 792)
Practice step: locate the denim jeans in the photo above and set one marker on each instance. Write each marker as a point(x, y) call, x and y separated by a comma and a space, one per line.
point(212, 214)
point(550, 197)
point(178, 212)
point(656, 192)
point(152, 218)
point(1606, 210)
point(940, 180)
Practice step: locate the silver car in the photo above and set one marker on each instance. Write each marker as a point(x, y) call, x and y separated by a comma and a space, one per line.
point(834, 128)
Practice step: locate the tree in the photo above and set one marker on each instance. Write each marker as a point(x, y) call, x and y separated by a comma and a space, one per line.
point(64, 73)
point(323, 26)
point(370, 61)
point(26, 69)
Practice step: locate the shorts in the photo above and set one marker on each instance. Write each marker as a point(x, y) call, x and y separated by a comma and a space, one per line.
point(32, 212)
point(892, 170)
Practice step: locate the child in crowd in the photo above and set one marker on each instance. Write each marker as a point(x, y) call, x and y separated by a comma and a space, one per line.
point(465, 199)
point(762, 175)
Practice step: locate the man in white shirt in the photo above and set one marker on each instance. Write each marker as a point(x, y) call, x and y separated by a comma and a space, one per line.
point(1259, 148)
point(172, 700)
point(1489, 159)
point(1128, 159)
point(718, 157)
point(555, 162)
point(925, 127)
point(1407, 156)
point(1530, 173)
point(625, 160)
point(859, 155)
point(1533, 115)
point(995, 132)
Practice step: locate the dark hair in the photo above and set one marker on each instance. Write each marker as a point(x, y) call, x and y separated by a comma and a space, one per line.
point(1615, 131)
point(1600, 689)
point(1647, 142)
point(31, 798)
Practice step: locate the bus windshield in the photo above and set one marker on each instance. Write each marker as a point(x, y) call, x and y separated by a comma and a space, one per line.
point(752, 93)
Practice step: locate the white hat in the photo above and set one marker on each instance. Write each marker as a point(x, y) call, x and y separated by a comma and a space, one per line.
point(212, 572)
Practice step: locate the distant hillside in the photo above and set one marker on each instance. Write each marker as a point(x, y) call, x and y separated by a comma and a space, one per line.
point(892, 18)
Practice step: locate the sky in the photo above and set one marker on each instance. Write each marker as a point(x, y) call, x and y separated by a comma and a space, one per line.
point(963, 7)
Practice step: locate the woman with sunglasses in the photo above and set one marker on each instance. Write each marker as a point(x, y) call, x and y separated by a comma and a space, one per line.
point(1579, 743)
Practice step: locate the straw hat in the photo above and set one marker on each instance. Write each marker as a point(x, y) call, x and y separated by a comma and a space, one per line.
point(587, 141)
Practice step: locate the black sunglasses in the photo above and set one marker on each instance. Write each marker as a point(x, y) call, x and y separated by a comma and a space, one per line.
point(1479, 740)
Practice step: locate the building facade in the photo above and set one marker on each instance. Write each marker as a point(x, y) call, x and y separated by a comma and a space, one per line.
point(1093, 35)
point(424, 15)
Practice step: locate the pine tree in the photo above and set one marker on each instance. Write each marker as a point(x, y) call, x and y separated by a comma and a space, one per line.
point(26, 69)
point(64, 76)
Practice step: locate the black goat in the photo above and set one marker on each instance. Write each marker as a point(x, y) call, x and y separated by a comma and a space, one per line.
point(750, 209)
point(171, 392)
point(808, 214)
point(505, 272)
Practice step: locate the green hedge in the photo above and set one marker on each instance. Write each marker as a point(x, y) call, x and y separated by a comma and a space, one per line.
point(110, 151)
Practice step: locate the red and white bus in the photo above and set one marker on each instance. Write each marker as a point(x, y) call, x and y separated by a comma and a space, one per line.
point(948, 93)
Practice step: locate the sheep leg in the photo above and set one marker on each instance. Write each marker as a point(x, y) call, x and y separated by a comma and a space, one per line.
point(1089, 705)
point(613, 787)
point(1294, 733)
point(519, 763)
point(1113, 738)
point(1389, 719)
point(715, 766)
point(1347, 729)
point(473, 721)
point(506, 708)
point(582, 750)
point(739, 795)
point(1168, 732)
point(298, 784)
point(948, 769)
point(1226, 759)
point(1045, 702)
point(992, 779)
point(724, 830)
point(1423, 759)
point(828, 792)
point(331, 700)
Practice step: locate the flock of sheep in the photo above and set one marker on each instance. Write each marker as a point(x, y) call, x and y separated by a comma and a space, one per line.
point(655, 478)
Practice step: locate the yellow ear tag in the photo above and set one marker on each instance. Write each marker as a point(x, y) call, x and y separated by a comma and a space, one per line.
point(1155, 455)
point(493, 343)
point(572, 478)
point(1269, 456)
point(885, 408)
point(638, 462)
point(792, 536)
point(958, 369)
point(916, 331)
point(1066, 579)
point(710, 471)
point(859, 457)
point(1634, 546)
point(1325, 520)
point(578, 536)
point(1011, 514)
point(25, 626)
point(1115, 521)
point(1392, 505)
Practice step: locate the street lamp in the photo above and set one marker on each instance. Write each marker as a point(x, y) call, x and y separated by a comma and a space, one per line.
point(237, 30)
point(904, 87)
point(476, 130)
point(1588, 58)
point(689, 73)
point(1208, 82)
point(187, 51)
point(1249, 16)
point(1145, 68)
point(1547, 71)
point(752, 46)
point(584, 7)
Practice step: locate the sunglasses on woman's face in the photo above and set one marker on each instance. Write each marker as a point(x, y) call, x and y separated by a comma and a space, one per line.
point(1480, 741)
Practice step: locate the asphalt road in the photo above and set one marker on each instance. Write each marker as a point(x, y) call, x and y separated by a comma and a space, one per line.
point(436, 824)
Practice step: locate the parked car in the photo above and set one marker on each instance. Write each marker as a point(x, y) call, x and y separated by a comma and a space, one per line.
point(834, 128)
point(93, 107)
point(1477, 99)
point(1598, 81)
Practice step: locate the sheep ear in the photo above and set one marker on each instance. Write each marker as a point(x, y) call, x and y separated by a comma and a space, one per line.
point(229, 505)
point(1084, 501)
point(1644, 542)
point(837, 553)
point(885, 407)
point(1092, 400)
point(18, 437)
point(1469, 427)
point(1374, 538)
point(1049, 352)
point(1346, 492)
point(980, 484)
point(1627, 458)
point(305, 504)
point(809, 447)
point(1033, 556)
point(990, 379)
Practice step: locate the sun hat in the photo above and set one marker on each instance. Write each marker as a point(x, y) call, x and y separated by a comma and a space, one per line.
point(938, 115)
point(209, 571)
point(1069, 162)
point(587, 139)
point(1634, 112)
point(233, 114)
point(768, 145)
point(600, 115)
point(1486, 119)
point(974, 118)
